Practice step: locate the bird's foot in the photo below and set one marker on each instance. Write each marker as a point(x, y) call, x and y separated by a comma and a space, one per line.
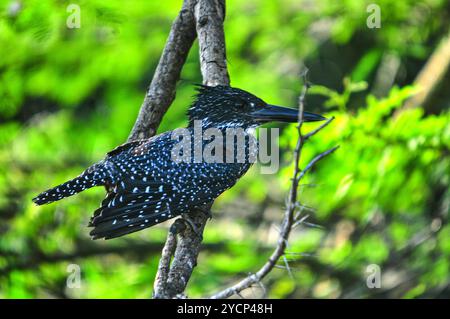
point(206, 211)
point(188, 220)
point(177, 227)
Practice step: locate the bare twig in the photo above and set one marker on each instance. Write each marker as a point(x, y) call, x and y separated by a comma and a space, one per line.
point(315, 160)
point(314, 132)
point(300, 221)
point(291, 206)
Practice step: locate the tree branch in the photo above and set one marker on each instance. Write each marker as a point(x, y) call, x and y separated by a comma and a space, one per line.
point(431, 75)
point(209, 17)
point(172, 279)
point(159, 97)
point(289, 219)
point(161, 91)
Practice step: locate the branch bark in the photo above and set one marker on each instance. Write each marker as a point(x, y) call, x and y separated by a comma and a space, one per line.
point(161, 91)
point(209, 17)
point(172, 278)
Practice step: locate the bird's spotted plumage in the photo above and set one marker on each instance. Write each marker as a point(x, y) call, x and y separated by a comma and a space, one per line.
point(145, 186)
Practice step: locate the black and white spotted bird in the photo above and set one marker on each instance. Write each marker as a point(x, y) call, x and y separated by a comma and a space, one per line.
point(146, 185)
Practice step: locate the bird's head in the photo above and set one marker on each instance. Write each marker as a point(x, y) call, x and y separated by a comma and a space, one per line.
point(224, 106)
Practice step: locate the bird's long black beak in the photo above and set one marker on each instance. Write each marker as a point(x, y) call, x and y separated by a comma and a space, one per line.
point(274, 113)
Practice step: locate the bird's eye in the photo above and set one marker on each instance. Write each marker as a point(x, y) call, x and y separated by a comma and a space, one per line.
point(252, 104)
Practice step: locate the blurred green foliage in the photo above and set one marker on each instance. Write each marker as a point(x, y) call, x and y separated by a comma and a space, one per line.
point(67, 96)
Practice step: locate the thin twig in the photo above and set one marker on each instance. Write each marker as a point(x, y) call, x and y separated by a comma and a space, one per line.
point(291, 206)
point(287, 266)
point(263, 288)
point(315, 160)
point(314, 132)
point(300, 221)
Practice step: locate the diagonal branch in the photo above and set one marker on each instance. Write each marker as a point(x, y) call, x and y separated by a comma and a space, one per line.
point(172, 279)
point(289, 220)
point(158, 98)
point(161, 91)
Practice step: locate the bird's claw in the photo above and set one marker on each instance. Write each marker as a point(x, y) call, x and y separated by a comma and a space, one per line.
point(188, 220)
point(206, 211)
point(177, 227)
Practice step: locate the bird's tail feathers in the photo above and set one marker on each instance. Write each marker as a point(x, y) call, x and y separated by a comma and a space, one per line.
point(82, 182)
point(125, 213)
